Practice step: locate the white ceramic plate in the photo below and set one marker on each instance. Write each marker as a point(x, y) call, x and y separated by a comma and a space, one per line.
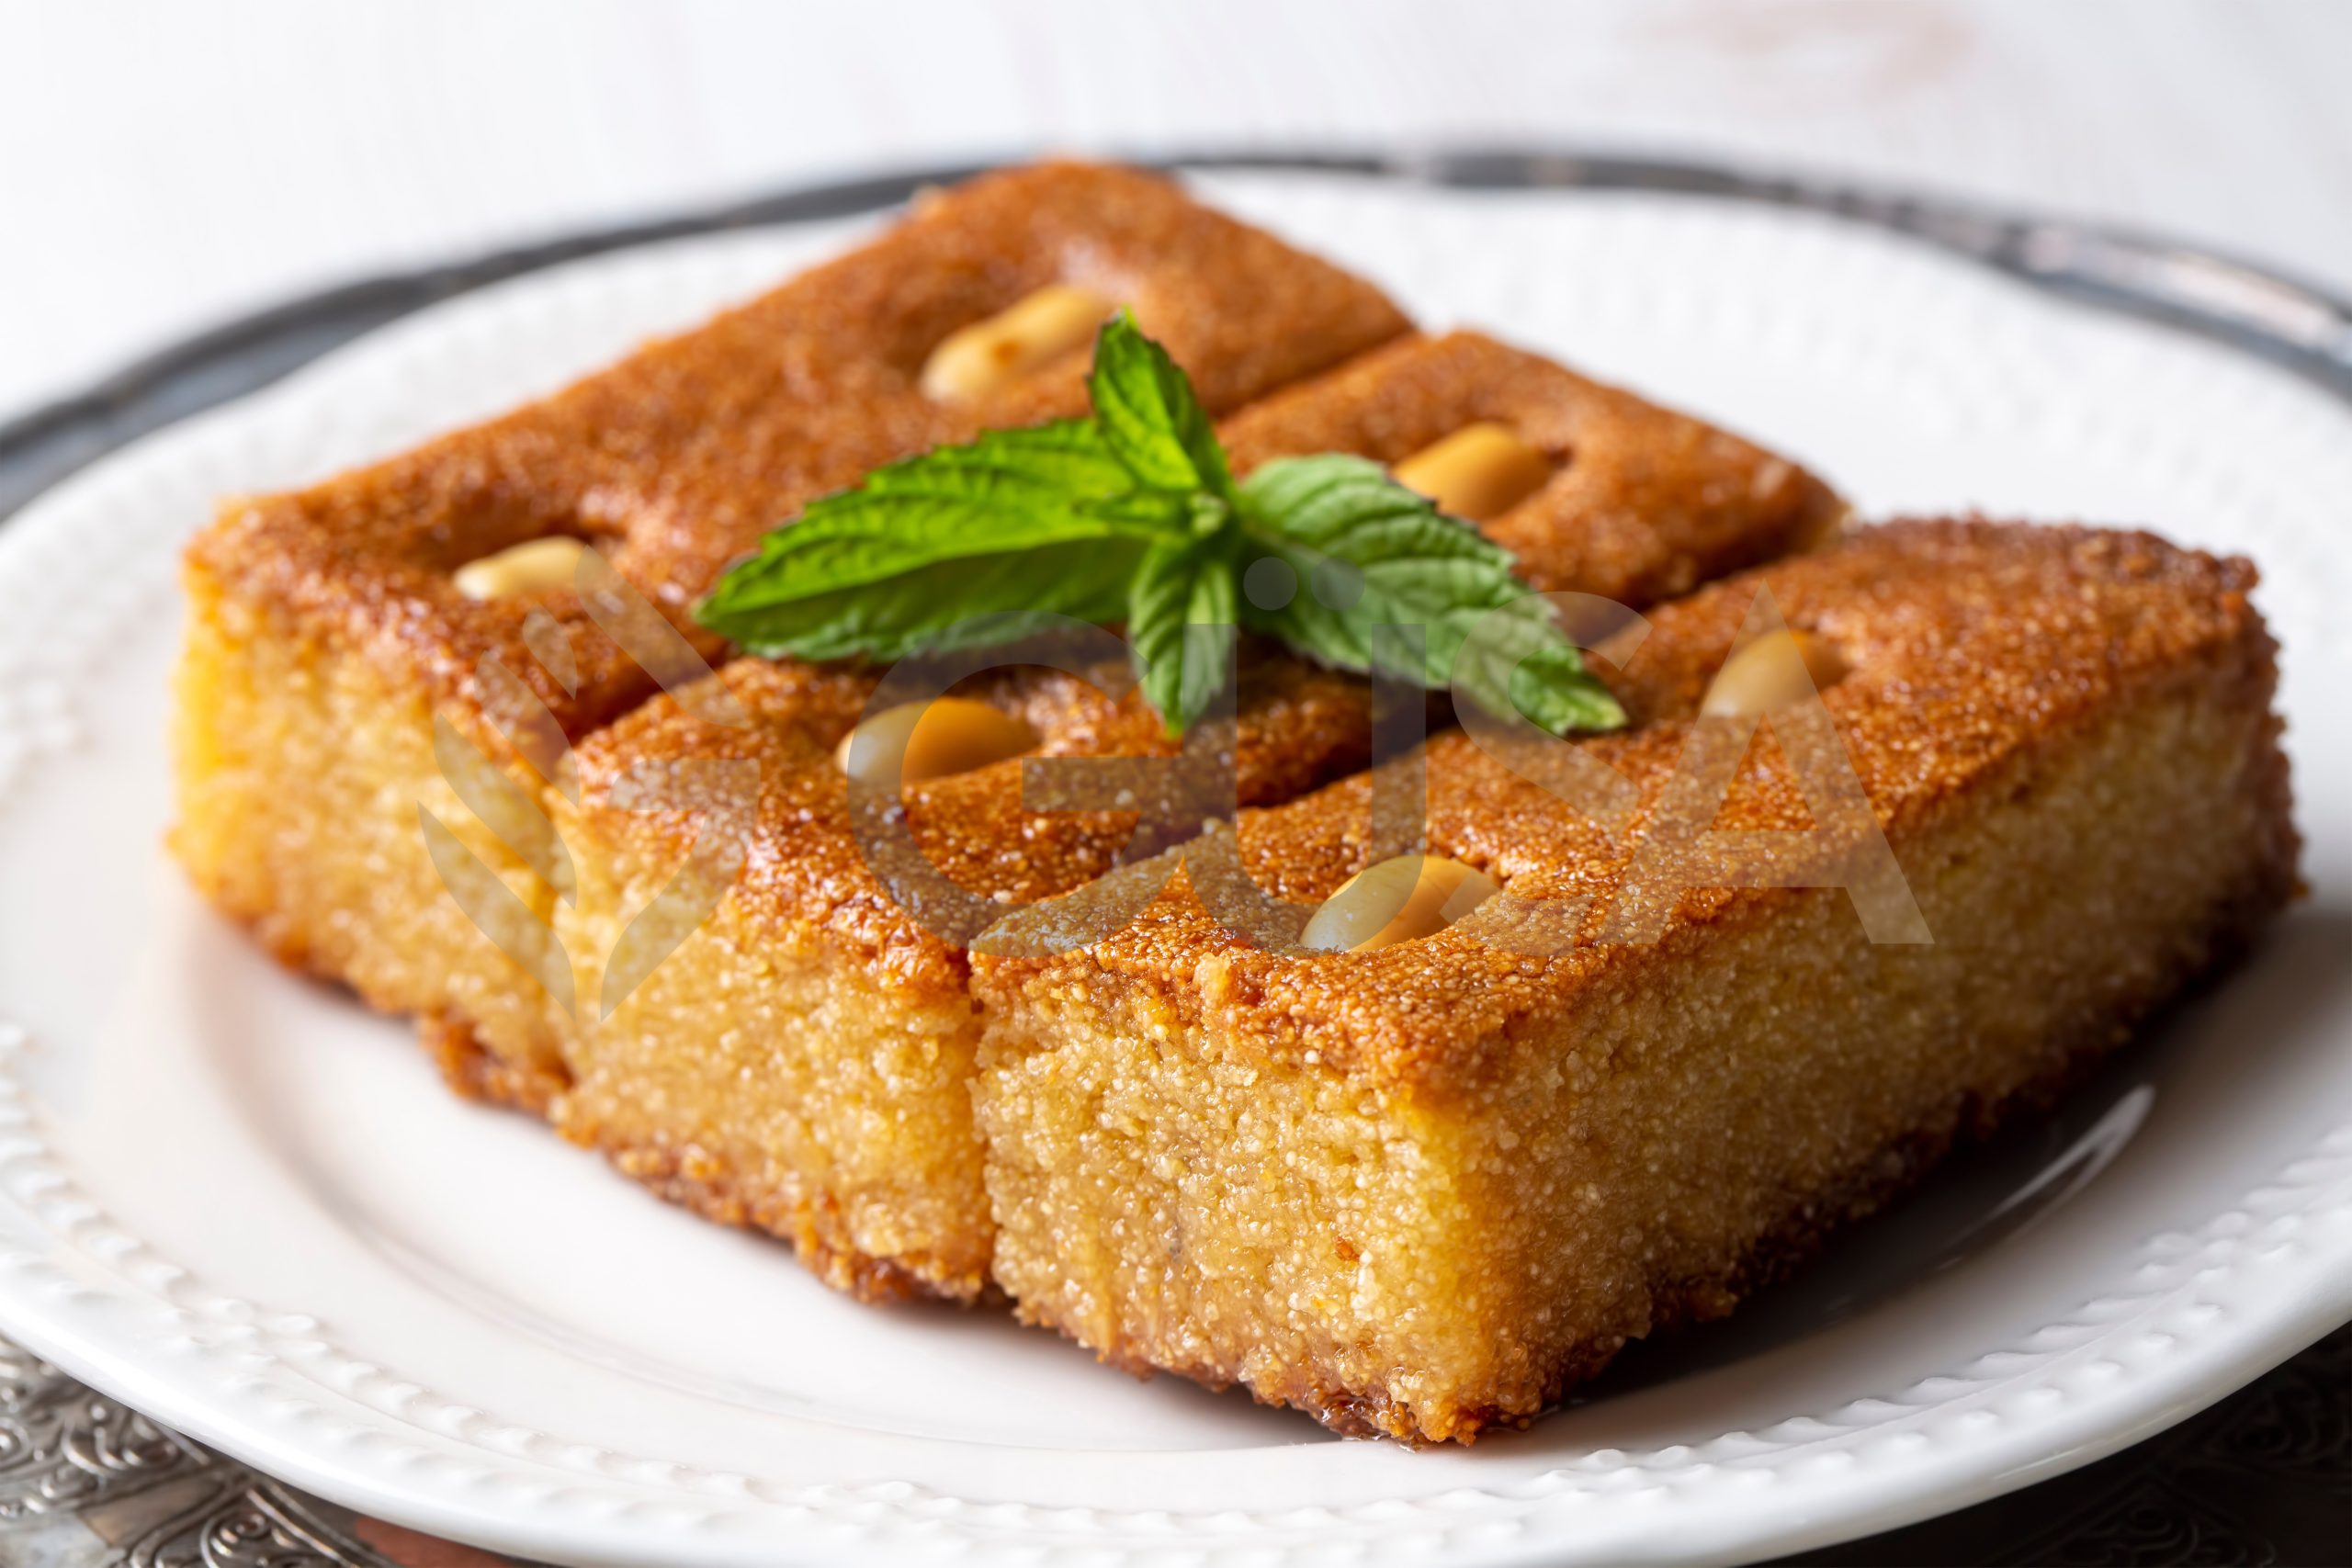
point(238, 1202)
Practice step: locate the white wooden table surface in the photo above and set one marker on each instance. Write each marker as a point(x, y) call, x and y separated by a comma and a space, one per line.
point(165, 165)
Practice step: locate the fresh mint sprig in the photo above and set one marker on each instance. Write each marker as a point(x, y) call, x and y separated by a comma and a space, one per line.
point(1132, 515)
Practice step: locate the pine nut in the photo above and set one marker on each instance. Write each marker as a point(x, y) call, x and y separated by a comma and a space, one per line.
point(1023, 337)
point(1398, 901)
point(528, 568)
point(929, 740)
point(1480, 471)
point(1775, 672)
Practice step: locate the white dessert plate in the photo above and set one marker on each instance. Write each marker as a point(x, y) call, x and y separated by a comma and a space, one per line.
point(248, 1207)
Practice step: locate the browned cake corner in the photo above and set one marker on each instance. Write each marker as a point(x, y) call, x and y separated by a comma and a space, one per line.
point(803, 1062)
point(330, 627)
point(1421, 1189)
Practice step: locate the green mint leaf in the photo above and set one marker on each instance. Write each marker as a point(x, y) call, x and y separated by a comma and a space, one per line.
point(966, 602)
point(1069, 455)
point(1370, 555)
point(1148, 416)
point(1554, 688)
point(1181, 615)
point(940, 539)
point(1133, 514)
point(1518, 661)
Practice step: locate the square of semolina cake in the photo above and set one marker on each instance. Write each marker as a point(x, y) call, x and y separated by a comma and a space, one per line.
point(1421, 1188)
point(331, 626)
point(802, 1061)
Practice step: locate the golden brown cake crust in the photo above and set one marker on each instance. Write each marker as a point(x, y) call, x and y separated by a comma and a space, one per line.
point(1970, 642)
point(1645, 504)
point(806, 871)
point(1299, 726)
point(679, 457)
